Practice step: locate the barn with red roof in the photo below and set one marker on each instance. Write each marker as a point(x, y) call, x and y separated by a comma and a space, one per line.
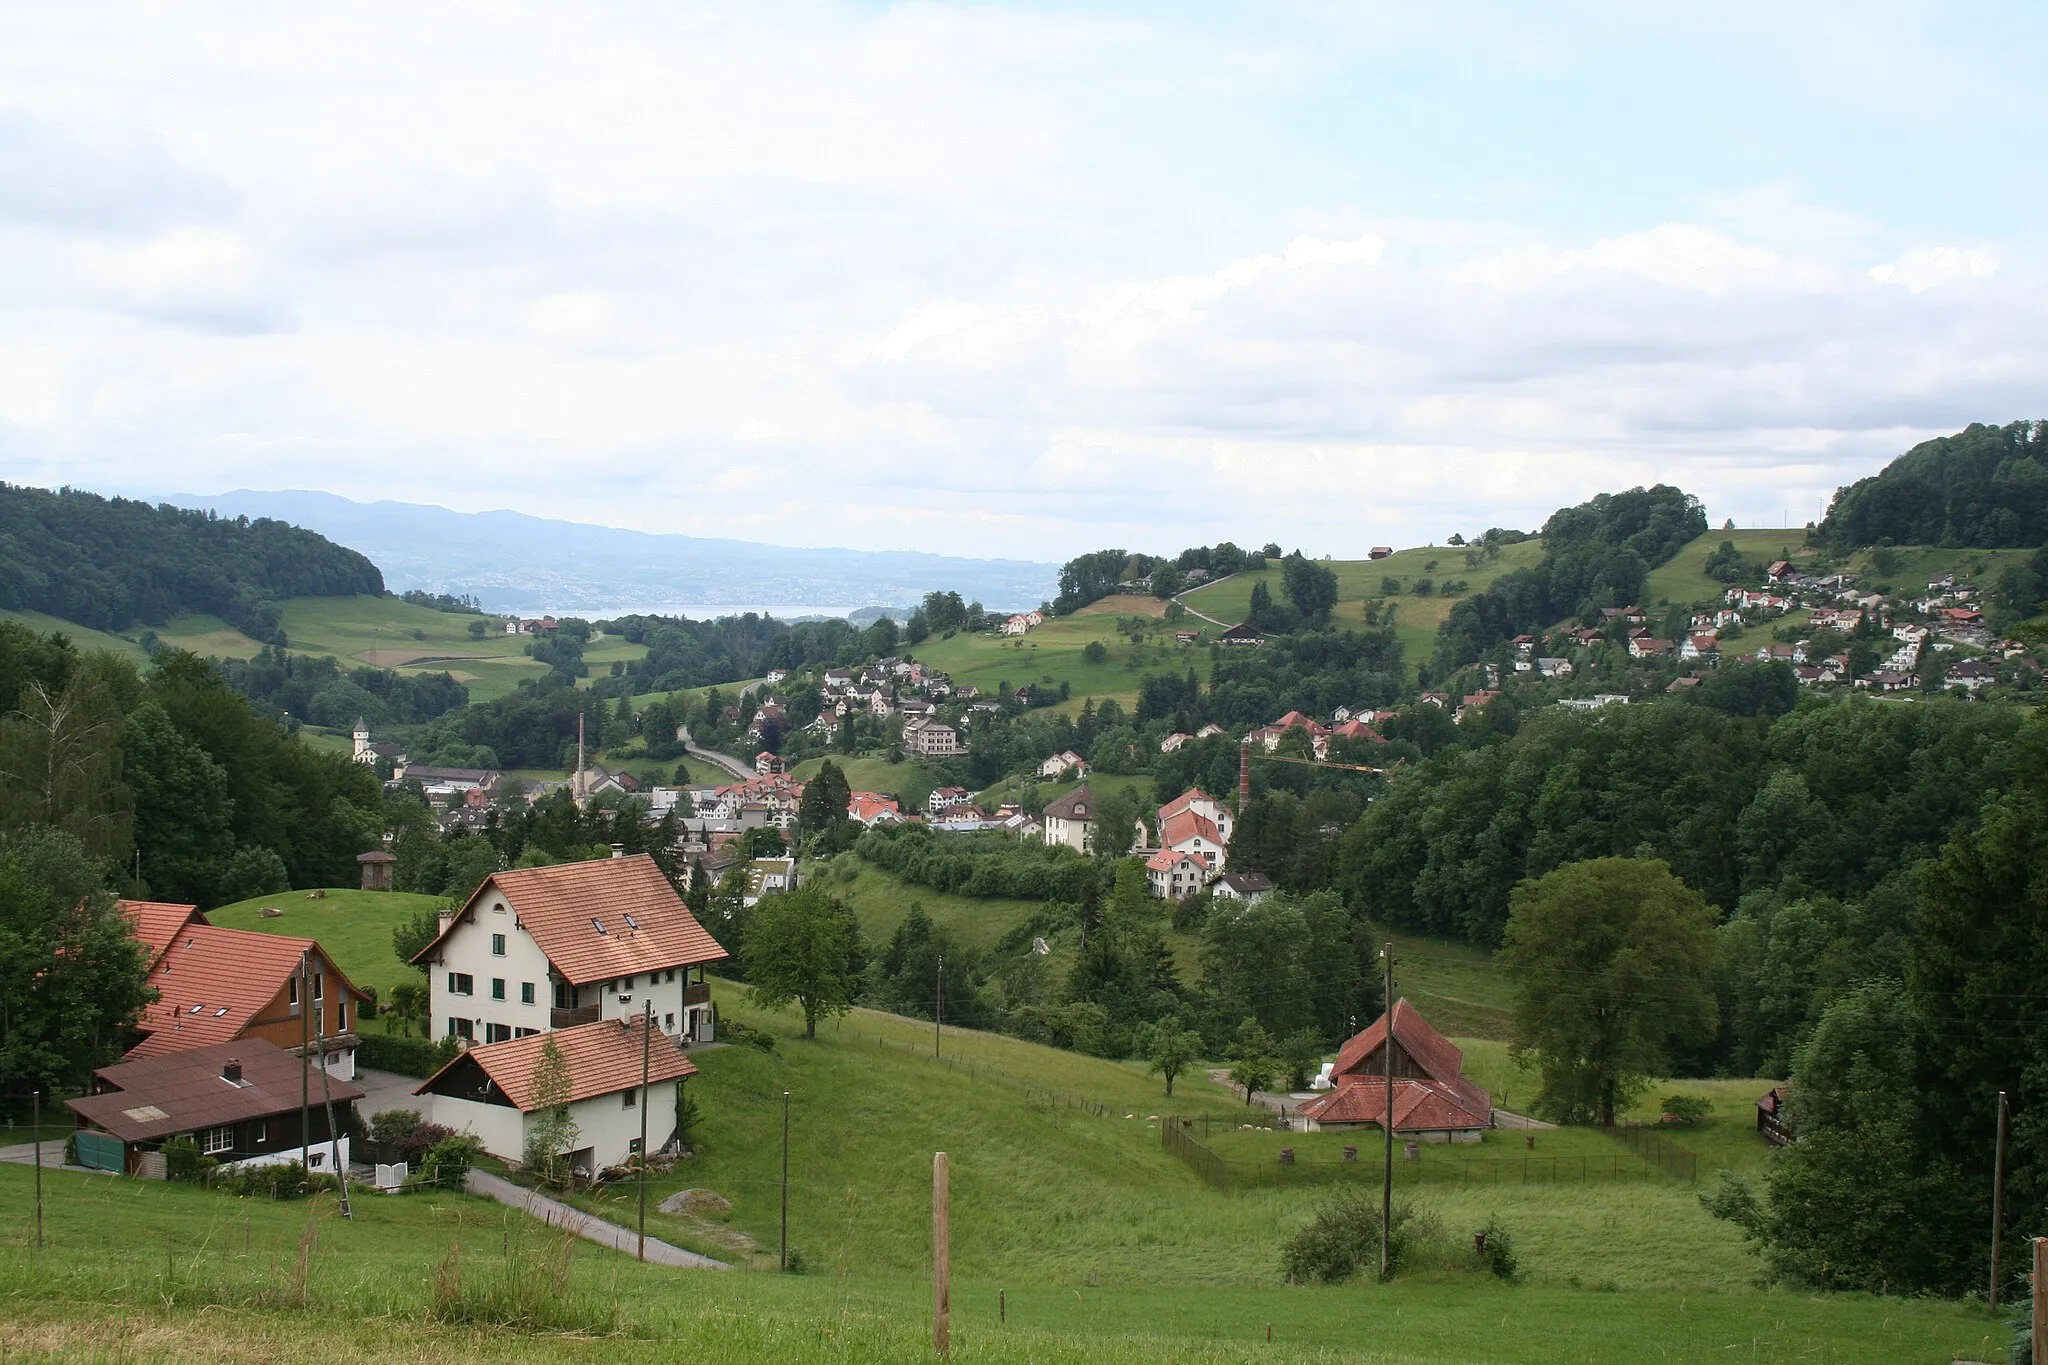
point(1433, 1101)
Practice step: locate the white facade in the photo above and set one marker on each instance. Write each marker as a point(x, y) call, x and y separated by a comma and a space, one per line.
point(606, 1128)
point(494, 1003)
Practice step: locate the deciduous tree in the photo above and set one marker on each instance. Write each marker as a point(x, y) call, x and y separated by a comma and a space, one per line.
point(1614, 958)
point(803, 947)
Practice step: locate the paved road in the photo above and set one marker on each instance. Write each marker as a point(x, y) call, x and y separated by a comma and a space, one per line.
point(1182, 599)
point(725, 761)
point(557, 1214)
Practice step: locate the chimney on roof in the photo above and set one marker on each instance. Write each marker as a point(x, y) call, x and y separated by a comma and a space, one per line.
point(442, 921)
point(231, 1071)
point(618, 850)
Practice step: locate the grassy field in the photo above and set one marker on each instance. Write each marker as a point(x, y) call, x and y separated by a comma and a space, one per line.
point(353, 926)
point(1105, 1247)
point(866, 774)
point(880, 902)
point(137, 1270)
point(82, 637)
point(391, 633)
point(1054, 653)
point(1359, 580)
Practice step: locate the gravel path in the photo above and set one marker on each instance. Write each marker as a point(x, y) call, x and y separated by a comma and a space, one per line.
point(557, 1214)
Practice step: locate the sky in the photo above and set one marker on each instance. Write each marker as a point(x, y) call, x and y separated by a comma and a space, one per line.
point(1017, 280)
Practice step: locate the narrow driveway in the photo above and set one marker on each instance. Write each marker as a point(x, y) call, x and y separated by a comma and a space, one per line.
point(1182, 599)
point(384, 1090)
point(557, 1214)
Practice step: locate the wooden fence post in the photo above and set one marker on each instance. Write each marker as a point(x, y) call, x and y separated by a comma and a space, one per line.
point(942, 1256)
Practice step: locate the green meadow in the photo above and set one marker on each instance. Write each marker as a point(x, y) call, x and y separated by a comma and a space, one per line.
point(1416, 618)
point(1056, 653)
point(1074, 1237)
point(353, 926)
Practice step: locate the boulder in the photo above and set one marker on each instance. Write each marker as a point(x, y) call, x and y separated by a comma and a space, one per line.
point(697, 1204)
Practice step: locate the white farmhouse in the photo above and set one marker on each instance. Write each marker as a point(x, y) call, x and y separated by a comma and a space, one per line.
point(489, 1091)
point(554, 947)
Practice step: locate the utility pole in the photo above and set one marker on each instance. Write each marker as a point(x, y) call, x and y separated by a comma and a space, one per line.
point(2040, 1301)
point(939, 1006)
point(1998, 1196)
point(38, 1121)
point(646, 1043)
point(1387, 1123)
point(942, 1253)
point(784, 1256)
point(305, 1045)
point(327, 1102)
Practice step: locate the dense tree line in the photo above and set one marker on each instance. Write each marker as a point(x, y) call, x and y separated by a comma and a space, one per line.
point(1984, 486)
point(683, 654)
point(1895, 1089)
point(978, 864)
point(317, 689)
point(111, 563)
point(1597, 554)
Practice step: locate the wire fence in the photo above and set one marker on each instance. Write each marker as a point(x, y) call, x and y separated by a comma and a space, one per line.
point(1658, 1149)
point(1036, 1096)
point(1438, 1163)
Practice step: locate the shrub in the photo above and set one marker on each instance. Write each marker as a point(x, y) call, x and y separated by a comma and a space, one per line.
point(446, 1164)
point(1496, 1250)
point(182, 1161)
point(273, 1180)
point(1687, 1108)
point(394, 1126)
point(367, 1009)
point(1342, 1238)
point(734, 1031)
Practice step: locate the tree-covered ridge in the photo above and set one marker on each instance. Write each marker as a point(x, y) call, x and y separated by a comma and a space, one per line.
point(1984, 487)
point(111, 563)
point(1597, 554)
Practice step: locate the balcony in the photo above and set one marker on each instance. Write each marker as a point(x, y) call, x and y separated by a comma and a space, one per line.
point(561, 1018)
point(697, 993)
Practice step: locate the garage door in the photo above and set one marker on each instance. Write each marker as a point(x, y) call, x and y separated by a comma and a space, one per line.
point(100, 1151)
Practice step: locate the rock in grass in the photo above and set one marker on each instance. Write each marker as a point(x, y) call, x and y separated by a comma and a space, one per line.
point(697, 1204)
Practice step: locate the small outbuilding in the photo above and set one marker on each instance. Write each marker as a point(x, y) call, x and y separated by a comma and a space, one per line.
point(376, 865)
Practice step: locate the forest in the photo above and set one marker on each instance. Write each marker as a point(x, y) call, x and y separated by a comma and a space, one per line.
point(113, 563)
point(1984, 487)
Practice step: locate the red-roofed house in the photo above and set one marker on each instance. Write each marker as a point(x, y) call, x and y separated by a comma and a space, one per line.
point(873, 808)
point(1202, 804)
point(1176, 876)
point(155, 923)
point(218, 985)
point(1433, 1101)
point(488, 1091)
point(545, 948)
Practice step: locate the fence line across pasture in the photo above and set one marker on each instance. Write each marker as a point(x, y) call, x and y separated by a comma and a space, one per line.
point(1649, 1154)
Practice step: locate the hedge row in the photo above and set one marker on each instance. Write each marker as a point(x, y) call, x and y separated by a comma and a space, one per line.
point(405, 1056)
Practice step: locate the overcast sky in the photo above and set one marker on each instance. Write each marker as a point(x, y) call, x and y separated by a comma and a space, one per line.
point(1017, 280)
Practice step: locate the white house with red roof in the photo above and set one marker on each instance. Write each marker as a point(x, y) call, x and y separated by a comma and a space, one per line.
point(546, 948)
point(1433, 1101)
point(1174, 876)
point(1062, 763)
point(489, 1091)
point(1196, 823)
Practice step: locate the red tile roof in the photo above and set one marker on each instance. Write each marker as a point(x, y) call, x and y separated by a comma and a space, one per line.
point(1179, 829)
point(603, 1059)
point(1437, 1056)
point(562, 907)
point(1185, 801)
point(155, 922)
point(1419, 1106)
point(187, 1092)
point(212, 982)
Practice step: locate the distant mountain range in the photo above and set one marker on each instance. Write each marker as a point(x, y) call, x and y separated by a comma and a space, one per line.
point(517, 563)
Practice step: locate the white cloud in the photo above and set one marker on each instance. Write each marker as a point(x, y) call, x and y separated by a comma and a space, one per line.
point(968, 278)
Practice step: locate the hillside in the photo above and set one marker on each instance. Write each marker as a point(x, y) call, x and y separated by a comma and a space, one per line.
point(1984, 487)
point(1105, 1247)
point(1361, 580)
point(1685, 581)
point(353, 926)
point(112, 563)
point(1055, 653)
